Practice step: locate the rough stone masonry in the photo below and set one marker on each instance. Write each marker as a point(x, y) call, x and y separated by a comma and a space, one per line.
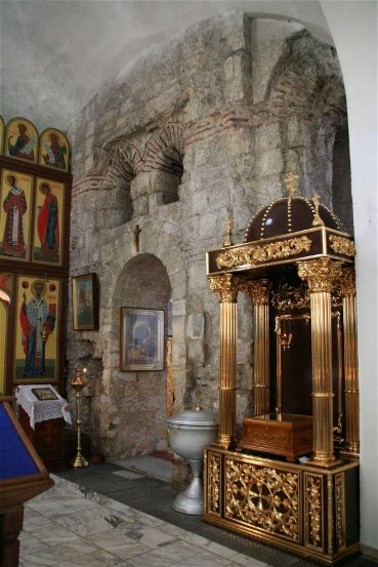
point(199, 130)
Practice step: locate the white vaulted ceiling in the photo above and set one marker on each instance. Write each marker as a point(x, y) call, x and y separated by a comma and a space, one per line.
point(56, 54)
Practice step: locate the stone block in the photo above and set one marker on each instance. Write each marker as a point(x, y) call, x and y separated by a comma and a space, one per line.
point(195, 326)
point(269, 162)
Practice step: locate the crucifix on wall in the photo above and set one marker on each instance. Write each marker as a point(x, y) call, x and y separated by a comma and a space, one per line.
point(136, 232)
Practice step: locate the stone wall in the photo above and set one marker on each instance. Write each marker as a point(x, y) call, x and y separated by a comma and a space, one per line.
point(199, 130)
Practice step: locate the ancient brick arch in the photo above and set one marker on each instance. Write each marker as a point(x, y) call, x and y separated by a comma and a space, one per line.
point(165, 150)
point(123, 166)
point(307, 81)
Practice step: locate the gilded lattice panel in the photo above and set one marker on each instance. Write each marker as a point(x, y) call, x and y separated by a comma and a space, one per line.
point(263, 497)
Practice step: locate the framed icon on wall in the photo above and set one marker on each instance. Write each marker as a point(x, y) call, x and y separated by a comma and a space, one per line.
point(54, 149)
point(48, 221)
point(85, 302)
point(37, 329)
point(16, 199)
point(141, 339)
point(21, 140)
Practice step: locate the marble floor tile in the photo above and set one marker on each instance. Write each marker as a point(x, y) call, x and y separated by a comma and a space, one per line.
point(68, 527)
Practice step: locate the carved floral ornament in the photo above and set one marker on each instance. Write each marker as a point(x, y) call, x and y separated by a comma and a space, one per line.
point(341, 245)
point(288, 297)
point(253, 255)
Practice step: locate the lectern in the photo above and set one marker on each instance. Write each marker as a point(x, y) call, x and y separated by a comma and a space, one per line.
point(22, 476)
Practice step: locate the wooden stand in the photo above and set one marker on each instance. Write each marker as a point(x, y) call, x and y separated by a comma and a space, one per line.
point(46, 438)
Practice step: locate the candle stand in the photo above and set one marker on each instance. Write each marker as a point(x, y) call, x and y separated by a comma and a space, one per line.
point(78, 384)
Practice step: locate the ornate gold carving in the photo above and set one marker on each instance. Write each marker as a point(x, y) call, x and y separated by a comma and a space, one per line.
point(169, 387)
point(340, 510)
point(341, 245)
point(346, 283)
point(228, 239)
point(253, 255)
point(291, 181)
point(320, 273)
point(314, 510)
point(264, 497)
point(226, 285)
point(330, 514)
point(317, 220)
point(288, 297)
point(258, 290)
point(214, 483)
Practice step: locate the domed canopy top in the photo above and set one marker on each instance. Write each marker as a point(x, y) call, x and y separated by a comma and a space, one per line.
point(290, 214)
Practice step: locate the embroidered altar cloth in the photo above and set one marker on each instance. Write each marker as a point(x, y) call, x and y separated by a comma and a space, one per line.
point(42, 409)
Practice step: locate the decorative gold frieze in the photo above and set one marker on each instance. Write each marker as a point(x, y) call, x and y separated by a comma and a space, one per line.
point(341, 245)
point(265, 497)
point(253, 255)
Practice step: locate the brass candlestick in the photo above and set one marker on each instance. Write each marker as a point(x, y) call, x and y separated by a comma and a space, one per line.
point(79, 383)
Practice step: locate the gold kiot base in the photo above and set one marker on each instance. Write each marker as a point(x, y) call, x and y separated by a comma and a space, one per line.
point(79, 461)
point(311, 511)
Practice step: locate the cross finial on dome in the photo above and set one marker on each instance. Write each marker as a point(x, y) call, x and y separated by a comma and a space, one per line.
point(317, 221)
point(291, 180)
point(228, 239)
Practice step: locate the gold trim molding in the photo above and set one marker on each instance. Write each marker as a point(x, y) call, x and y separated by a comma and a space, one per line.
point(253, 255)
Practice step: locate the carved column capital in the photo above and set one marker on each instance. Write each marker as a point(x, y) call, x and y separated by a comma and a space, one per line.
point(258, 291)
point(320, 274)
point(347, 281)
point(226, 285)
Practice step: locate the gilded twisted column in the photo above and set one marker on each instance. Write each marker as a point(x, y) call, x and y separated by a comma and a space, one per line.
point(226, 286)
point(320, 275)
point(347, 285)
point(258, 291)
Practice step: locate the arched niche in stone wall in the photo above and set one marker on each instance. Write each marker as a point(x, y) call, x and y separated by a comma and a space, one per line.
point(306, 97)
point(122, 169)
point(140, 396)
point(163, 155)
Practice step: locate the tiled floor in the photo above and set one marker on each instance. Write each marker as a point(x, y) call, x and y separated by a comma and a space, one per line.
point(120, 514)
point(65, 528)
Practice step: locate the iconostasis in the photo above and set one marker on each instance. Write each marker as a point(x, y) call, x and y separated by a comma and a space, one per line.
point(35, 194)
